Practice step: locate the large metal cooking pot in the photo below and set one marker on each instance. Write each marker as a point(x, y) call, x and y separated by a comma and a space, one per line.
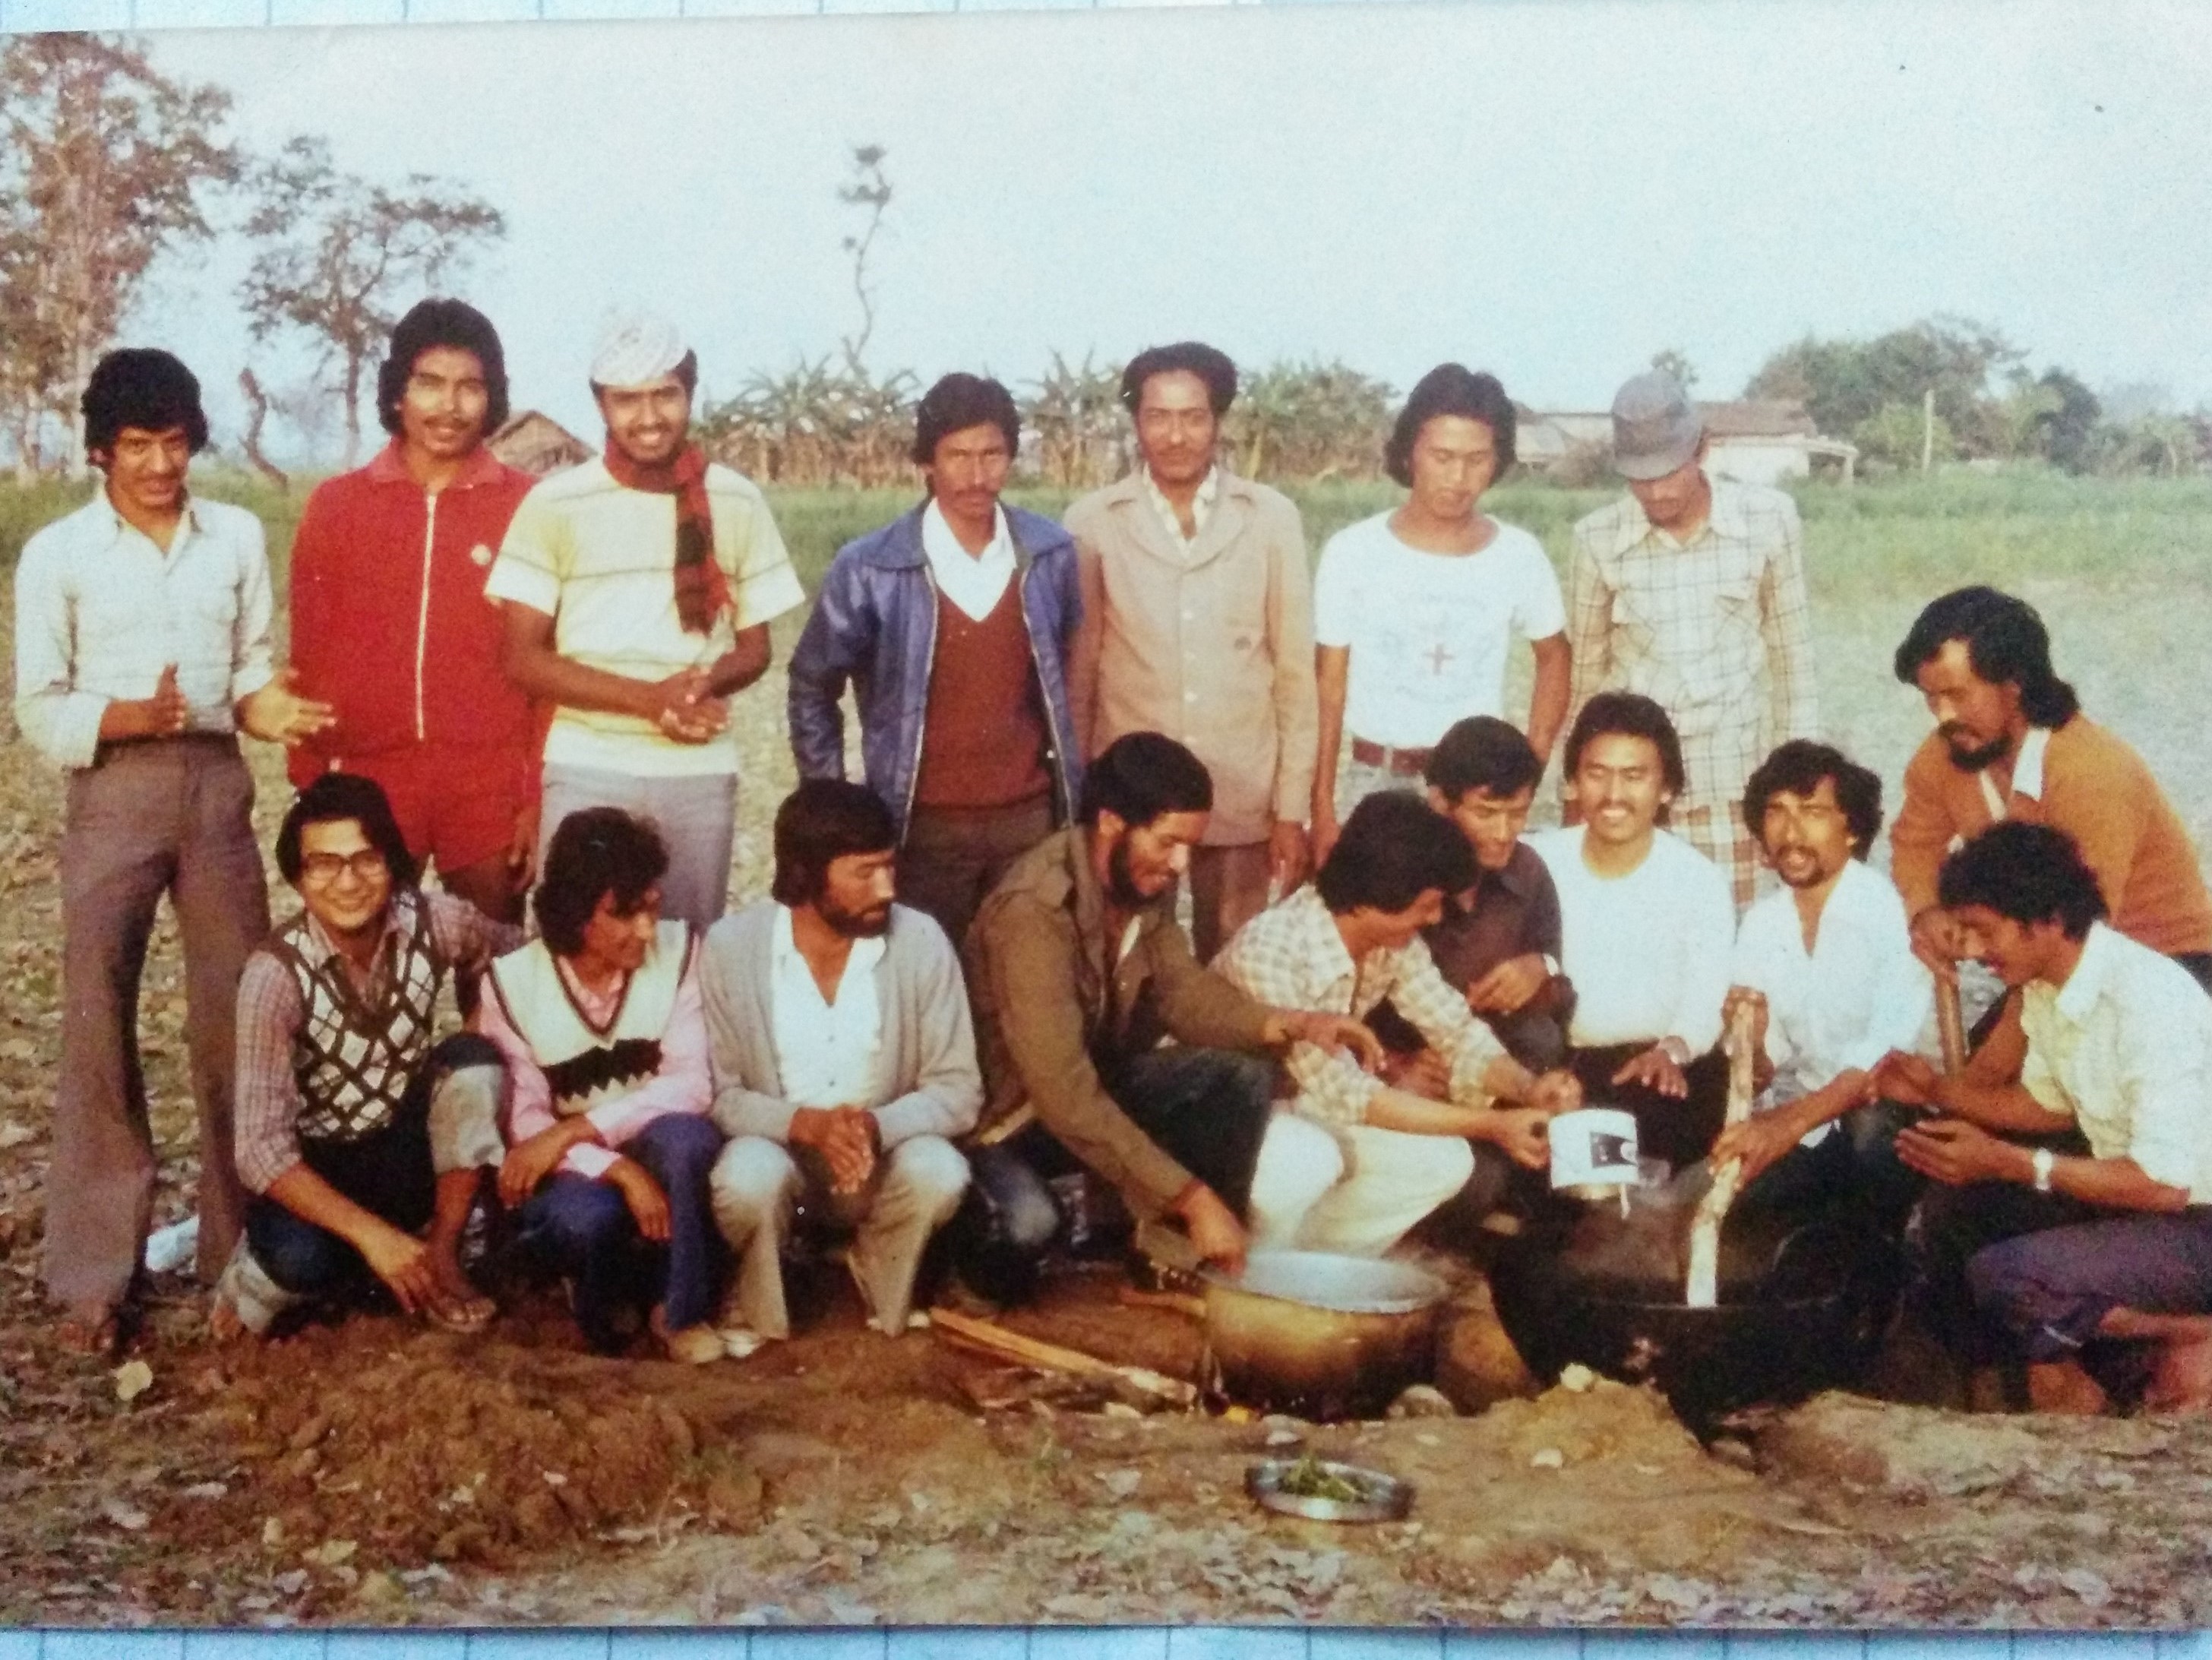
point(1802, 1308)
point(1319, 1335)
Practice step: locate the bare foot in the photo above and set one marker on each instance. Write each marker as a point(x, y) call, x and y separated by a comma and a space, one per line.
point(96, 1334)
point(2183, 1382)
point(224, 1325)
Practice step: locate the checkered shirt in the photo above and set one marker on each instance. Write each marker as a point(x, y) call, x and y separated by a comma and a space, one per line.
point(1292, 957)
point(1201, 508)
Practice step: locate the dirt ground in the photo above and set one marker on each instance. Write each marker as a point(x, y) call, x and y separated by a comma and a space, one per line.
point(380, 1471)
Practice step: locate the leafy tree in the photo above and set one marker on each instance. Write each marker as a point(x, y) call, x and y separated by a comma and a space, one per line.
point(1847, 383)
point(1895, 433)
point(1083, 433)
point(340, 253)
point(105, 163)
point(1311, 420)
point(2065, 430)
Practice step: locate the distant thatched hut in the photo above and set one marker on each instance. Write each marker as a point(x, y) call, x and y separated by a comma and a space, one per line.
point(537, 444)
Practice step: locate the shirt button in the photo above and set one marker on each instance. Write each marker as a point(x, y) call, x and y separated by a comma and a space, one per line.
point(1190, 697)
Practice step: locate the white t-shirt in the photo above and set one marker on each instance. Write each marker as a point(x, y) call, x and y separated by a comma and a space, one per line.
point(1429, 631)
point(1649, 951)
point(1859, 993)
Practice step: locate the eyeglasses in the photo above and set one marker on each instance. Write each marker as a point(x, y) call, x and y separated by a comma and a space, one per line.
point(366, 866)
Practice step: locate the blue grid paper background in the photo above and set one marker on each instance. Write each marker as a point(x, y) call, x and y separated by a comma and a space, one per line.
point(1043, 1644)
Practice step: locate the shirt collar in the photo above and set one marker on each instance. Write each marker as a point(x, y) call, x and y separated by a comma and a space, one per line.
point(943, 547)
point(189, 521)
point(783, 949)
point(1202, 504)
point(2086, 985)
point(319, 947)
point(2027, 764)
point(386, 467)
point(1725, 518)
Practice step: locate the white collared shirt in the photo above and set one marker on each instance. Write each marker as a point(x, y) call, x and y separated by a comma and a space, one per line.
point(2125, 1049)
point(1857, 995)
point(826, 1051)
point(1201, 508)
point(2026, 774)
point(973, 582)
point(101, 611)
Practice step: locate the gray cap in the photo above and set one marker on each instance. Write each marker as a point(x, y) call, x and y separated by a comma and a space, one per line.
point(1656, 429)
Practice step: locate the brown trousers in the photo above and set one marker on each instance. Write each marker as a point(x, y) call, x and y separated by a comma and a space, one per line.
point(1228, 889)
point(169, 816)
point(952, 857)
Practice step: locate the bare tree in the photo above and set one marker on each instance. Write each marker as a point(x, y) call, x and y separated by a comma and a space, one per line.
point(257, 418)
point(339, 253)
point(104, 163)
point(869, 190)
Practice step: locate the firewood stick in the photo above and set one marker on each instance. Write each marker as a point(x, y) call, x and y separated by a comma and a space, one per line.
point(1703, 1290)
point(997, 1341)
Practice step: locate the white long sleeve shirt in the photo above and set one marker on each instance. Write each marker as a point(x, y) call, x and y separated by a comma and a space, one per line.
point(1857, 995)
point(1648, 952)
point(101, 611)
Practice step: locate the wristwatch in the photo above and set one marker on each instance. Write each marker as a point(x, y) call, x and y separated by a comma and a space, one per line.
point(2042, 1163)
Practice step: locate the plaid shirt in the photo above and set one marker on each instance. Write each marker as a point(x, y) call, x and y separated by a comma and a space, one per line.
point(1696, 626)
point(1292, 957)
point(266, 1143)
point(1201, 507)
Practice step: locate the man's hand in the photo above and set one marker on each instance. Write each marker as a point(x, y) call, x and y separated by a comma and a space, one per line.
point(1755, 1143)
point(1426, 1073)
point(1215, 1233)
point(1333, 1031)
point(847, 1137)
point(649, 1205)
point(1955, 1153)
point(1522, 1132)
point(530, 1162)
point(522, 845)
point(1326, 830)
point(1554, 1092)
point(685, 708)
point(278, 714)
point(403, 1262)
point(1657, 1069)
point(1509, 986)
point(1936, 942)
point(1908, 1079)
point(1288, 855)
point(162, 715)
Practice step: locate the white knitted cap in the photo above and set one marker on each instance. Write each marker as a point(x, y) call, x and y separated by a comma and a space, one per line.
point(636, 349)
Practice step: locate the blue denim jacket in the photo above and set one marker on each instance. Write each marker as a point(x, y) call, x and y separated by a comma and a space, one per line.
point(875, 624)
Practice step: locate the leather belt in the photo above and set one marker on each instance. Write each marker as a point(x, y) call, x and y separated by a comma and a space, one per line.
point(1404, 764)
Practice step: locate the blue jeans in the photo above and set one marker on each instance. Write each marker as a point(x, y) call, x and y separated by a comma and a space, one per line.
point(581, 1229)
point(1206, 1108)
point(388, 1173)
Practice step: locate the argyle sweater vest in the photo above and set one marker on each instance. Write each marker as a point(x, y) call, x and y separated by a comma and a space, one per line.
point(585, 1064)
point(354, 1060)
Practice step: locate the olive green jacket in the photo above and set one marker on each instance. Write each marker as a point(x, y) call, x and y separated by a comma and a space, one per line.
point(1049, 1017)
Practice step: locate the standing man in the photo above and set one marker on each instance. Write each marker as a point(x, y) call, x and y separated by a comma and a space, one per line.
point(1691, 591)
point(2072, 1224)
point(1198, 623)
point(1414, 609)
point(2011, 742)
point(639, 588)
point(598, 1022)
point(391, 625)
point(1344, 944)
point(1827, 960)
point(1079, 972)
point(844, 1064)
point(141, 651)
point(952, 625)
point(1646, 929)
point(364, 1141)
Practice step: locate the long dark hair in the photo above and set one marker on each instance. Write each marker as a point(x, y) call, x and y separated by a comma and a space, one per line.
point(2006, 644)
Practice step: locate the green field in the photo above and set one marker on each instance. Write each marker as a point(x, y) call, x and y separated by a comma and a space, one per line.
point(2122, 570)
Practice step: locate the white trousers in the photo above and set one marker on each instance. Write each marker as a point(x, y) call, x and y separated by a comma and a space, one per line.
point(756, 1183)
point(1354, 1190)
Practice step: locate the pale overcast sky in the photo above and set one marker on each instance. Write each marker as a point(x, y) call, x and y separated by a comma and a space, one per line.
point(1552, 190)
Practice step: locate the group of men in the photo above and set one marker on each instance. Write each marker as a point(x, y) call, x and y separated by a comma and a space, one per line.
point(967, 1002)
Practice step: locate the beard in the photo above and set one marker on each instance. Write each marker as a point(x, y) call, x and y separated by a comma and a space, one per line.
point(1122, 882)
point(856, 924)
point(1975, 760)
